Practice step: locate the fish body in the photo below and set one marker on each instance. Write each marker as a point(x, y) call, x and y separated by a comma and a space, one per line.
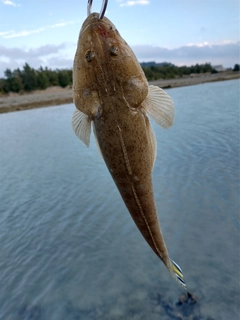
point(124, 138)
point(112, 95)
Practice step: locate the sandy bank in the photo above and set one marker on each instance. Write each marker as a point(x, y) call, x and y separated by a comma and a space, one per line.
point(40, 98)
point(196, 79)
point(56, 95)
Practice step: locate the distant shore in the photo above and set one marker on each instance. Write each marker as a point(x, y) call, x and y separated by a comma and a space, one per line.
point(56, 95)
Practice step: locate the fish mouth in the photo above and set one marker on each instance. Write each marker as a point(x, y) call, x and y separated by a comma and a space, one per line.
point(102, 26)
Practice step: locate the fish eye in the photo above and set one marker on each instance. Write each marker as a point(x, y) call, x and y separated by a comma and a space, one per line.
point(114, 51)
point(89, 56)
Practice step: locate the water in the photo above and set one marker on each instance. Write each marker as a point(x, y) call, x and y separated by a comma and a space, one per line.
point(68, 247)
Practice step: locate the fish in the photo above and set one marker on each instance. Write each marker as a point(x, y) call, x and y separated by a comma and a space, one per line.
point(113, 99)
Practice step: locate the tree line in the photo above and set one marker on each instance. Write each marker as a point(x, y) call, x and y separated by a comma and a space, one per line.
point(29, 79)
point(169, 71)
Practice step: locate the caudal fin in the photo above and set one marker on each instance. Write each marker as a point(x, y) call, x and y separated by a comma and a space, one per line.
point(178, 274)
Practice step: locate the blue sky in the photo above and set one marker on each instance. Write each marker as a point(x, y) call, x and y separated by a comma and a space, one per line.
point(184, 32)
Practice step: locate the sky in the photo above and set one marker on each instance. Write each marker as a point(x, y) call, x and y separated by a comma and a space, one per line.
point(183, 32)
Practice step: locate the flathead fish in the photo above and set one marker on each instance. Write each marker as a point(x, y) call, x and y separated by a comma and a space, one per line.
point(113, 97)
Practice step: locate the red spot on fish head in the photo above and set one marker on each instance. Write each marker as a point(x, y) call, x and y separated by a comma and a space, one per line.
point(103, 30)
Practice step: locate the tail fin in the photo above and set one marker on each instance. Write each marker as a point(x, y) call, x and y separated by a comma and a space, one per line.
point(178, 274)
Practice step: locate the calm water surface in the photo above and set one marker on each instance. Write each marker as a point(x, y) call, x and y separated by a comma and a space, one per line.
point(68, 247)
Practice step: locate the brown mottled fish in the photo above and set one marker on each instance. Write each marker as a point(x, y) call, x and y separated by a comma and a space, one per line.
point(112, 95)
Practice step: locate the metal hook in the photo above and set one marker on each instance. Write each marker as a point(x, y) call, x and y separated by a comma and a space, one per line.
point(103, 9)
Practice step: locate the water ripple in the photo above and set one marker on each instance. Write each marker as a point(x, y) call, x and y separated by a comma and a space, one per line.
point(69, 249)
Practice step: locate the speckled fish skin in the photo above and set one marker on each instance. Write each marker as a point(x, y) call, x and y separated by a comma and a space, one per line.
point(109, 87)
point(127, 150)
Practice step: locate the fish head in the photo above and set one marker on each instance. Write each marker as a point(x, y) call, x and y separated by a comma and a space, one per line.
point(105, 65)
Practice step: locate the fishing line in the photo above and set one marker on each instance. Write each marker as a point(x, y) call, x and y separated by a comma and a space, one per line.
point(103, 9)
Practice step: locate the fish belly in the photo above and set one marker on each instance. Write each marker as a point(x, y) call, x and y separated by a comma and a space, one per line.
point(124, 141)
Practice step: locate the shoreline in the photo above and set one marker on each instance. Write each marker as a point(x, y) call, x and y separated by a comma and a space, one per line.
point(56, 95)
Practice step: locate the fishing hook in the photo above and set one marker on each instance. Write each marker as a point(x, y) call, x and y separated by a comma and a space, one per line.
point(103, 9)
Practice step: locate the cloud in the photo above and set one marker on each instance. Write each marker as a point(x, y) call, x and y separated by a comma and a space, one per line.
point(210, 44)
point(4, 33)
point(21, 54)
point(10, 3)
point(13, 34)
point(49, 55)
point(225, 54)
point(132, 3)
point(60, 62)
point(61, 56)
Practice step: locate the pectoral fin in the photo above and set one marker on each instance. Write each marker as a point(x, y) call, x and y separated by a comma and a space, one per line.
point(159, 106)
point(81, 124)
